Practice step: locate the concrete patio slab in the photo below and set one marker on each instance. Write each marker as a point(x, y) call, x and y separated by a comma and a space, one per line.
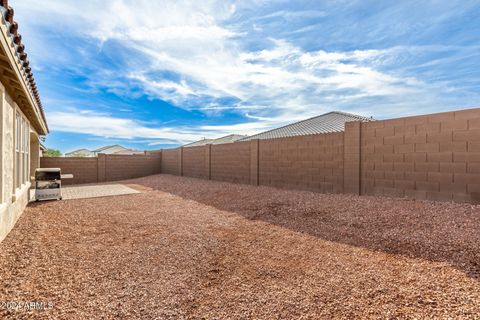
point(93, 191)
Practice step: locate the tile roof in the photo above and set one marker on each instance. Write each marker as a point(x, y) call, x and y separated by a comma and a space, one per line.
point(199, 143)
point(12, 26)
point(326, 123)
point(78, 150)
point(226, 139)
point(108, 147)
point(129, 152)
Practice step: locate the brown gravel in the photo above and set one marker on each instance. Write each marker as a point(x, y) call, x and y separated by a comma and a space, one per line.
point(188, 248)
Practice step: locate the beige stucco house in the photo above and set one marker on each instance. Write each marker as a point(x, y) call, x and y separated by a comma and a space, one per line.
point(82, 153)
point(22, 121)
point(112, 149)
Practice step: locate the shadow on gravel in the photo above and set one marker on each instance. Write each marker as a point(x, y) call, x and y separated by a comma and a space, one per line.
point(441, 232)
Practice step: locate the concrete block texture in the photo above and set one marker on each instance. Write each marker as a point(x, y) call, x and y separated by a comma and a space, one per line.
point(121, 167)
point(254, 162)
point(195, 162)
point(170, 161)
point(312, 162)
point(432, 157)
point(352, 156)
point(231, 162)
point(84, 170)
point(104, 167)
point(441, 156)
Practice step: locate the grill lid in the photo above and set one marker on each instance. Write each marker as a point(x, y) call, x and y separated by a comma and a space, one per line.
point(45, 174)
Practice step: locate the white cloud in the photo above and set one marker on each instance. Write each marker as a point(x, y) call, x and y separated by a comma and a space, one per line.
point(208, 61)
point(191, 39)
point(177, 91)
point(108, 126)
point(289, 15)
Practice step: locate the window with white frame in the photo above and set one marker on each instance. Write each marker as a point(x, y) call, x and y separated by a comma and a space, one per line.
point(18, 136)
point(27, 152)
point(22, 150)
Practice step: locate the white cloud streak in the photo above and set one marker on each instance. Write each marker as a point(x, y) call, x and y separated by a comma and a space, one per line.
point(193, 41)
point(189, 38)
point(108, 126)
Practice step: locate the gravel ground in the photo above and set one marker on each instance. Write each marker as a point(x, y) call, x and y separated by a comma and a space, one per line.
point(188, 248)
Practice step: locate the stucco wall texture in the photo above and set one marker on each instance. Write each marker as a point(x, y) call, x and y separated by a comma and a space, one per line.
point(12, 200)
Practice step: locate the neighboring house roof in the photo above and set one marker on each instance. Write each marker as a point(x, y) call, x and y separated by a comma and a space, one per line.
point(226, 139)
point(326, 123)
point(21, 67)
point(42, 147)
point(112, 149)
point(128, 152)
point(78, 151)
point(108, 147)
point(199, 143)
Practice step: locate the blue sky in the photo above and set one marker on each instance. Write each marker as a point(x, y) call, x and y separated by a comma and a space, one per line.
point(156, 74)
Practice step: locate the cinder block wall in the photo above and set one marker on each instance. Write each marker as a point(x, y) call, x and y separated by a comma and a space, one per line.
point(312, 162)
point(352, 158)
point(121, 167)
point(231, 162)
point(435, 157)
point(84, 170)
point(171, 161)
point(104, 167)
point(194, 162)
